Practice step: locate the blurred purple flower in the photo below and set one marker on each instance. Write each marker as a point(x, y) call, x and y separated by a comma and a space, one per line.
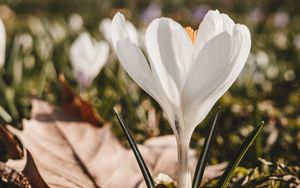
point(199, 12)
point(281, 19)
point(151, 12)
point(257, 15)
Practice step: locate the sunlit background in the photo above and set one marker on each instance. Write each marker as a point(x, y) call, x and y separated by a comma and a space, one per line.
point(40, 33)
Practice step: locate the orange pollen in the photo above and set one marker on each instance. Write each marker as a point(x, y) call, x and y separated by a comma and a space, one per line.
point(191, 33)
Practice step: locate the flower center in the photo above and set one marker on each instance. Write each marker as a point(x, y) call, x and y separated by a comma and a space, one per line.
point(191, 33)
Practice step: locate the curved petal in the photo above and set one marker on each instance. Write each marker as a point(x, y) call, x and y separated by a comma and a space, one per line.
point(87, 58)
point(82, 48)
point(81, 52)
point(136, 65)
point(101, 53)
point(132, 58)
point(170, 53)
point(118, 29)
point(228, 23)
point(104, 27)
point(77, 61)
point(213, 24)
point(2, 43)
point(212, 75)
point(132, 32)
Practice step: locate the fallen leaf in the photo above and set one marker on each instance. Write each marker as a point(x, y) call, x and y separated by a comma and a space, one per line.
point(10, 144)
point(19, 170)
point(69, 153)
point(75, 105)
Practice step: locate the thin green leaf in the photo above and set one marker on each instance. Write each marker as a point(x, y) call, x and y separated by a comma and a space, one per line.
point(237, 157)
point(5, 116)
point(147, 176)
point(204, 154)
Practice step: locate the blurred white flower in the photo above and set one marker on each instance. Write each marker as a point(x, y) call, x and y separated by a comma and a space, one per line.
point(2, 44)
point(297, 41)
point(272, 71)
point(289, 75)
point(280, 40)
point(187, 71)
point(87, 58)
point(26, 41)
point(57, 31)
point(75, 22)
point(258, 78)
point(105, 29)
point(262, 59)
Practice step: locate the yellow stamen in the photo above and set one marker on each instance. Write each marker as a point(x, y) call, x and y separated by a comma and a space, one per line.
point(191, 33)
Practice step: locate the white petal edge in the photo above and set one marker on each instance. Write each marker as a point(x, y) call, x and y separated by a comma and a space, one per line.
point(136, 65)
point(213, 24)
point(81, 52)
point(118, 29)
point(170, 52)
point(87, 58)
point(2, 44)
point(132, 32)
point(228, 23)
point(104, 28)
point(101, 57)
point(197, 104)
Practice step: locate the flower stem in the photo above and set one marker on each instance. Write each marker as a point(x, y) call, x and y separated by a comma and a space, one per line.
point(184, 176)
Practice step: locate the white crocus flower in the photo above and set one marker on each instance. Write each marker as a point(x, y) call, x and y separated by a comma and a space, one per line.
point(188, 71)
point(87, 58)
point(2, 43)
point(105, 29)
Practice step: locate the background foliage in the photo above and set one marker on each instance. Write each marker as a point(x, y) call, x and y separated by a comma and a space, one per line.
point(40, 32)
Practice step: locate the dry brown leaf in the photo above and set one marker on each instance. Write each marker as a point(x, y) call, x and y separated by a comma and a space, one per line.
point(75, 105)
point(76, 154)
point(19, 170)
point(9, 143)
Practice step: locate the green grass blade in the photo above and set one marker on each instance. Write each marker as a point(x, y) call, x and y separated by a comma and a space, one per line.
point(237, 157)
point(147, 176)
point(204, 154)
point(5, 115)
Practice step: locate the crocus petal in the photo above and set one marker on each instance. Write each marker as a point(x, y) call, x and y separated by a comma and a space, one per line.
point(136, 65)
point(81, 52)
point(132, 32)
point(170, 53)
point(211, 26)
point(2, 43)
point(101, 53)
point(213, 74)
point(104, 27)
point(228, 24)
point(87, 58)
point(82, 48)
point(131, 57)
